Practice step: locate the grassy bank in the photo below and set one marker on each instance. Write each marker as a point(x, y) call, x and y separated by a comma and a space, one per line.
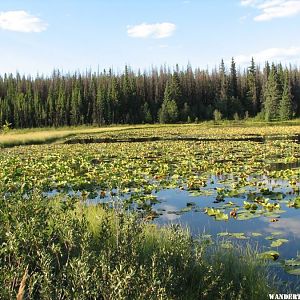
point(63, 250)
point(48, 135)
point(34, 136)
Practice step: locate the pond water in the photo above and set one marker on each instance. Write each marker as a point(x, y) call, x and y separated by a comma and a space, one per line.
point(233, 208)
point(188, 209)
point(265, 226)
point(246, 138)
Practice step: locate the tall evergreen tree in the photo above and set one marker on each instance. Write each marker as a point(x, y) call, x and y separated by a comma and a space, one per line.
point(252, 90)
point(105, 98)
point(169, 110)
point(286, 104)
point(233, 80)
point(272, 96)
point(223, 99)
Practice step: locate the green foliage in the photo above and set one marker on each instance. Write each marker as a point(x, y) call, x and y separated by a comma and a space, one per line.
point(71, 251)
point(169, 110)
point(286, 104)
point(272, 96)
point(74, 251)
point(136, 98)
point(252, 99)
point(6, 127)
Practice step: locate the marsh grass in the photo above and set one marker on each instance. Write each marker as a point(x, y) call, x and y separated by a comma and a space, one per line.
point(49, 135)
point(36, 136)
point(74, 251)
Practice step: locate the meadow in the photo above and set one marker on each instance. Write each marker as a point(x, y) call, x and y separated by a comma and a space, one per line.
point(193, 211)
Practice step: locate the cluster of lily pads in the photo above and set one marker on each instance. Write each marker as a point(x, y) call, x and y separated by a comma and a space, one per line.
point(261, 166)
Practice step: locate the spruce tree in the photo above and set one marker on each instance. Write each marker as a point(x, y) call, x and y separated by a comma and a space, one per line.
point(222, 101)
point(102, 97)
point(233, 80)
point(272, 96)
point(252, 89)
point(286, 104)
point(169, 110)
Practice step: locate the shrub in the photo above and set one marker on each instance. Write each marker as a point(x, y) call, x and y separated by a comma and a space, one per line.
point(66, 250)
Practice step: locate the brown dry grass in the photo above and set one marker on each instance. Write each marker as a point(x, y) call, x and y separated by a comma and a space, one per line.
point(19, 137)
point(22, 285)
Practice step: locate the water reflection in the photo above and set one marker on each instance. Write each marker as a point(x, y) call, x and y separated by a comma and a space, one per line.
point(289, 225)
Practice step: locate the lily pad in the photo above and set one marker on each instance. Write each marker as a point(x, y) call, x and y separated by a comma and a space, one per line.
point(221, 217)
point(294, 271)
point(269, 255)
point(255, 234)
point(279, 242)
point(223, 233)
point(239, 235)
point(292, 262)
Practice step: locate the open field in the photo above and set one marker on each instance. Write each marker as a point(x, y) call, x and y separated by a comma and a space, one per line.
point(97, 206)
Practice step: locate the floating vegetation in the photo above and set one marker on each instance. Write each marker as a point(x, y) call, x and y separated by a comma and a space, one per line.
point(292, 266)
point(279, 242)
point(246, 179)
point(274, 255)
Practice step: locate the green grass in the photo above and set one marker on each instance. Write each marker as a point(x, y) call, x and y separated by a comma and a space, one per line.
point(16, 137)
point(72, 251)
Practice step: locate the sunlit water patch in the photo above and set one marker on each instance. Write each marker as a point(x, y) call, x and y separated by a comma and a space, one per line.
point(272, 220)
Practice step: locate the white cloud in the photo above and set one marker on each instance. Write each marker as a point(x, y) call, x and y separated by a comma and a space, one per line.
point(22, 21)
point(271, 54)
point(270, 9)
point(157, 30)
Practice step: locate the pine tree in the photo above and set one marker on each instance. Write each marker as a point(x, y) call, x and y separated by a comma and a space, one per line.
point(286, 105)
point(169, 110)
point(75, 106)
point(272, 96)
point(252, 90)
point(131, 97)
point(101, 106)
point(115, 111)
point(222, 102)
point(175, 89)
point(233, 80)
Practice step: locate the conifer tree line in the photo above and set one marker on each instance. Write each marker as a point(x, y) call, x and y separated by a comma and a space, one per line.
point(159, 95)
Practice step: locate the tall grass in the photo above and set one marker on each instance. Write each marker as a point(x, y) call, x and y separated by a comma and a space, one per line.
point(43, 136)
point(71, 251)
point(49, 135)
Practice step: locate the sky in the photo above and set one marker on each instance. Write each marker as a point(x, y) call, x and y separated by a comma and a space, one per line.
point(75, 35)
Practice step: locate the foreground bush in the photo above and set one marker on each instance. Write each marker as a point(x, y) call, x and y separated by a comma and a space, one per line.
point(59, 249)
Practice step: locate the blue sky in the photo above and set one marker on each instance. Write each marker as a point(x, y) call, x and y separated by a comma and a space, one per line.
point(38, 36)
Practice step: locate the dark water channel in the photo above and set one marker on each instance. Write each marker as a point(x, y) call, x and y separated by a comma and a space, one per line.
point(249, 138)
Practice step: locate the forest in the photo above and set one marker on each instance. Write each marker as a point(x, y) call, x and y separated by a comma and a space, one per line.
point(163, 95)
